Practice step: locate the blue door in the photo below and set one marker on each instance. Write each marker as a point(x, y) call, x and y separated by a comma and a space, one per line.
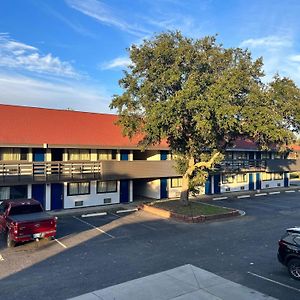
point(163, 155)
point(38, 154)
point(217, 180)
point(208, 185)
point(38, 193)
point(251, 182)
point(163, 188)
point(124, 154)
point(57, 193)
point(286, 179)
point(124, 191)
point(258, 181)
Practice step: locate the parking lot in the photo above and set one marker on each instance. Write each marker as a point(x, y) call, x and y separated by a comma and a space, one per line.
point(91, 253)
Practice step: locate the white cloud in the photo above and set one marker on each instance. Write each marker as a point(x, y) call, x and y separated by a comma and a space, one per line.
point(119, 62)
point(269, 41)
point(104, 14)
point(20, 56)
point(295, 58)
point(23, 90)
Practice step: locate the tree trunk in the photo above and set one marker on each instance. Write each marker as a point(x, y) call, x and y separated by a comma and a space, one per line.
point(184, 194)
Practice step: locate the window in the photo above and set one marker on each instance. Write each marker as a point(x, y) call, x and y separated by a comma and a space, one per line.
point(240, 155)
point(79, 154)
point(278, 176)
point(106, 154)
point(78, 188)
point(241, 178)
point(11, 154)
point(106, 186)
point(176, 182)
point(228, 178)
point(266, 176)
point(266, 155)
point(13, 192)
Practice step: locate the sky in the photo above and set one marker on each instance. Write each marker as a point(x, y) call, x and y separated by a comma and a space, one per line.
point(70, 54)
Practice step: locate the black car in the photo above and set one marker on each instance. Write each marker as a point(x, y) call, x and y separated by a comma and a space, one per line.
point(289, 251)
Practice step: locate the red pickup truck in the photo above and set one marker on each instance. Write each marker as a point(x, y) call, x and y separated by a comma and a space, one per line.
point(25, 220)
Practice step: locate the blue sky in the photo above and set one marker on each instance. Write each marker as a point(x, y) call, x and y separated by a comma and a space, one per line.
point(71, 53)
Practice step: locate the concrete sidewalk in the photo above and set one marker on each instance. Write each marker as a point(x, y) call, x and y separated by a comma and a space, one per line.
point(183, 283)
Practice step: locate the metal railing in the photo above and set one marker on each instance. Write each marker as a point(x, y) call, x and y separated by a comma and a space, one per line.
point(241, 165)
point(49, 171)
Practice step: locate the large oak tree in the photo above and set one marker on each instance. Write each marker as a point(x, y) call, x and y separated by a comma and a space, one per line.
point(201, 97)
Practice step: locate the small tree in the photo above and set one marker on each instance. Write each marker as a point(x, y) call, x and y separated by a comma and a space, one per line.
point(201, 97)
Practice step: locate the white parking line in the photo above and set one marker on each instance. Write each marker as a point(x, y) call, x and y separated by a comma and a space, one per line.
point(60, 243)
point(261, 194)
point(220, 198)
point(279, 283)
point(1, 258)
point(292, 191)
point(94, 214)
point(97, 228)
point(243, 196)
point(274, 193)
point(126, 210)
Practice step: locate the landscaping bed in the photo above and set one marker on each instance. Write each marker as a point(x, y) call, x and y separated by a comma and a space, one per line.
point(193, 213)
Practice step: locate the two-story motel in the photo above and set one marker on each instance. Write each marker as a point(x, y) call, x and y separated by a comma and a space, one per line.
point(69, 159)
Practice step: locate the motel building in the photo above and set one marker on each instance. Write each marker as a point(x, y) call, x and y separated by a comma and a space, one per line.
point(69, 159)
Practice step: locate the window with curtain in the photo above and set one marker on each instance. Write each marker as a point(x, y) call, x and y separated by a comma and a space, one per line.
point(106, 154)
point(266, 176)
point(241, 178)
point(79, 154)
point(10, 154)
point(106, 186)
point(176, 182)
point(278, 176)
point(228, 178)
point(78, 188)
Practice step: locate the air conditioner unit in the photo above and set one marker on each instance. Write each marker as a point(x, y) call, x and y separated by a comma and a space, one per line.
point(267, 185)
point(278, 184)
point(227, 189)
point(78, 203)
point(107, 200)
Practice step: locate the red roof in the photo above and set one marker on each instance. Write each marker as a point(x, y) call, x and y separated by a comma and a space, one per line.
point(21, 125)
point(295, 147)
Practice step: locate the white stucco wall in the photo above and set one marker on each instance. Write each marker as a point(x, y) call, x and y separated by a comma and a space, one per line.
point(91, 199)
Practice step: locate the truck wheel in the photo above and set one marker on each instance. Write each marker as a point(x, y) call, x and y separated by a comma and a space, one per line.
point(10, 243)
point(294, 268)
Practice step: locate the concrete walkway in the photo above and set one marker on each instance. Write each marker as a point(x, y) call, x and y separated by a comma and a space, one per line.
point(183, 283)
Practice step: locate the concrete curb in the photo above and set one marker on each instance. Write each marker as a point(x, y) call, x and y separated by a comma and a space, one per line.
point(196, 219)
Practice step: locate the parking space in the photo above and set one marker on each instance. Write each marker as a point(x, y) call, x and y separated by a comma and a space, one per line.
point(103, 250)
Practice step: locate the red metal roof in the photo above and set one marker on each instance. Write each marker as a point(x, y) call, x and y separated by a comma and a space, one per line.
point(21, 125)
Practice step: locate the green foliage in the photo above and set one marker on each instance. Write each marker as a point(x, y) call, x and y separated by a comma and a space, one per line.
point(198, 95)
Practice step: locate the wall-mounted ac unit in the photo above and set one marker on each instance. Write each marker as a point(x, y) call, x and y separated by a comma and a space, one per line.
point(107, 200)
point(267, 185)
point(78, 203)
point(227, 189)
point(242, 187)
point(278, 184)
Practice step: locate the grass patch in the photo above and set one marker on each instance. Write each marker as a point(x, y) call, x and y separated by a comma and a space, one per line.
point(192, 210)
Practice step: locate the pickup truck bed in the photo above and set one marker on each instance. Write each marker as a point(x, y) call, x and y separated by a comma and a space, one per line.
point(41, 216)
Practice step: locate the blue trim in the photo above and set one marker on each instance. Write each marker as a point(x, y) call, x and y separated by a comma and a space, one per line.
point(124, 191)
point(258, 181)
point(163, 155)
point(124, 154)
point(217, 181)
point(286, 180)
point(38, 154)
point(208, 185)
point(251, 182)
point(163, 188)
point(57, 192)
point(38, 192)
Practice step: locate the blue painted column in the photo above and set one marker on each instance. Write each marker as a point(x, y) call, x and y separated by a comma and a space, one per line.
point(124, 184)
point(164, 181)
point(208, 185)
point(251, 182)
point(258, 181)
point(286, 179)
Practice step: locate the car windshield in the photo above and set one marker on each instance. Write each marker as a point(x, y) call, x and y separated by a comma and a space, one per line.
point(25, 209)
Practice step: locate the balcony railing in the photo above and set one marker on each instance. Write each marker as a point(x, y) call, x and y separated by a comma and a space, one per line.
point(241, 165)
point(13, 172)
